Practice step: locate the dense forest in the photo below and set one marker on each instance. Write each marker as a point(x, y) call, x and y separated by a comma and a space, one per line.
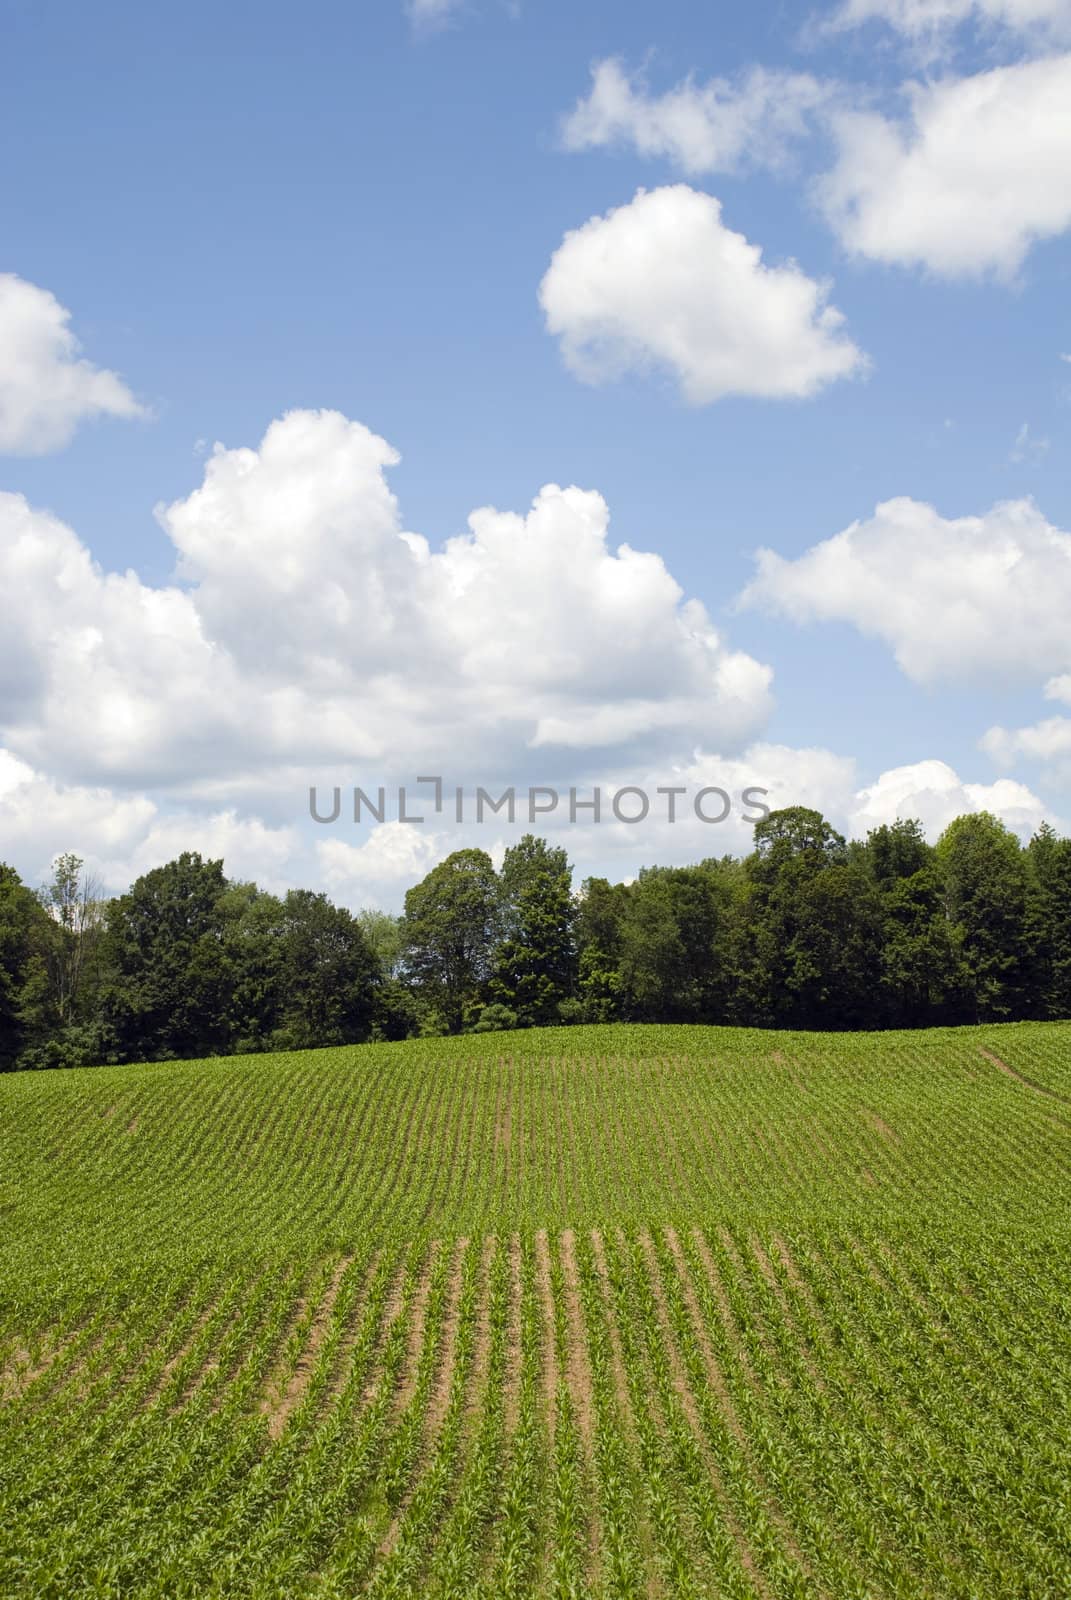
point(809, 931)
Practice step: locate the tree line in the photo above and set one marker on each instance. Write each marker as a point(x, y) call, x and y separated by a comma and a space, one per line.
point(808, 931)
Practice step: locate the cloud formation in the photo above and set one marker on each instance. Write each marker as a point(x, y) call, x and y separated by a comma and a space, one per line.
point(957, 600)
point(1048, 741)
point(46, 388)
point(123, 835)
point(975, 172)
point(309, 638)
point(723, 125)
point(934, 794)
point(309, 629)
point(661, 284)
point(393, 857)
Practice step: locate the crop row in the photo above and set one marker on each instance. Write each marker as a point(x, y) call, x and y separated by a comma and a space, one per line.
point(694, 1412)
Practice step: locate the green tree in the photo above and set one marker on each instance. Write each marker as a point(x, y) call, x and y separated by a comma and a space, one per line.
point(599, 916)
point(450, 927)
point(782, 963)
point(833, 958)
point(920, 977)
point(674, 944)
point(253, 958)
point(1049, 923)
point(75, 910)
point(984, 876)
point(168, 974)
point(895, 851)
point(22, 976)
point(329, 974)
point(384, 934)
point(534, 967)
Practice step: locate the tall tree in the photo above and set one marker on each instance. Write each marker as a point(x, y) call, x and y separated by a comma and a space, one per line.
point(534, 963)
point(75, 910)
point(168, 973)
point(674, 945)
point(384, 934)
point(1049, 923)
point(782, 981)
point(920, 969)
point(450, 927)
point(599, 916)
point(21, 919)
point(896, 850)
point(329, 974)
point(253, 965)
point(833, 958)
point(985, 889)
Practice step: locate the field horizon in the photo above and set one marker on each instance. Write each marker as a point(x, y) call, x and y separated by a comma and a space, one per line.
point(608, 1311)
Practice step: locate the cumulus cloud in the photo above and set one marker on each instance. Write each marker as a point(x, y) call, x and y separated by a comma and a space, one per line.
point(121, 836)
point(930, 791)
point(975, 173)
point(103, 677)
point(933, 792)
point(956, 599)
point(310, 638)
point(377, 872)
point(307, 627)
point(46, 387)
point(380, 870)
point(1048, 741)
point(662, 284)
point(720, 126)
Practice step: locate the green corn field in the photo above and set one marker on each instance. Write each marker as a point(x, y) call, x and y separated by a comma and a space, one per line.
point(611, 1312)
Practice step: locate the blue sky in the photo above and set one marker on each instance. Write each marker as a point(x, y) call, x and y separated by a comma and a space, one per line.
point(254, 211)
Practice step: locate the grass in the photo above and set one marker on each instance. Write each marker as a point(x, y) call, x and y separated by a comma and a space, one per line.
point(608, 1311)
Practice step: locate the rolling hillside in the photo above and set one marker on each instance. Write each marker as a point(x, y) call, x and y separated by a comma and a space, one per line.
point(614, 1312)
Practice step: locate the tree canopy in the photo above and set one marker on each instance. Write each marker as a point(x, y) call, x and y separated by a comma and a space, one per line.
point(808, 931)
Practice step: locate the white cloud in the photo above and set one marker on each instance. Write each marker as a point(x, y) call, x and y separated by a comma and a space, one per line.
point(46, 387)
point(377, 873)
point(121, 836)
point(1028, 449)
point(103, 678)
point(663, 284)
point(317, 633)
point(934, 794)
point(1048, 741)
point(957, 600)
point(311, 639)
point(976, 173)
point(718, 126)
point(921, 20)
point(930, 791)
